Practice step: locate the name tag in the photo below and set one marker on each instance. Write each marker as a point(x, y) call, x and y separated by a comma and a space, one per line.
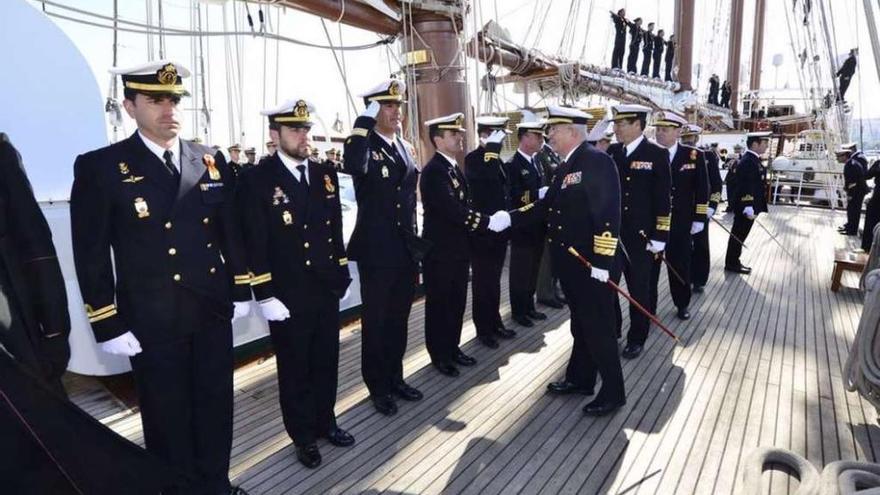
point(688, 166)
point(641, 166)
point(571, 179)
point(207, 186)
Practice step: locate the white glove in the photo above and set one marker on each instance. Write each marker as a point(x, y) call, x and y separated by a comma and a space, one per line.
point(372, 110)
point(749, 212)
point(697, 227)
point(655, 246)
point(710, 212)
point(274, 310)
point(499, 221)
point(240, 310)
point(599, 274)
point(124, 345)
point(542, 192)
point(496, 137)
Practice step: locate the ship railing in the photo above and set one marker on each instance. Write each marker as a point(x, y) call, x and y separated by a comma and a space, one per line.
point(800, 187)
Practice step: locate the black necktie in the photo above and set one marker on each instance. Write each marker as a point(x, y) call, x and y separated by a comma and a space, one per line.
point(303, 185)
point(169, 164)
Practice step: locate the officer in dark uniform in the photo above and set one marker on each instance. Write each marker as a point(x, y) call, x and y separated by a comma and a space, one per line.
point(582, 210)
point(645, 181)
point(700, 257)
point(855, 169)
point(659, 46)
point(165, 208)
point(845, 73)
point(690, 196)
point(872, 209)
point(292, 221)
point(635, 39)
point(670, 56)
point(449, 223)
point(619, 20)
point(748, 200)
point(647, 49)
point(384, 242)
point(34, 323)
point(526, 242)
point(489, 189)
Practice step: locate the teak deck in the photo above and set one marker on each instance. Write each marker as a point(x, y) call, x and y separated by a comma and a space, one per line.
point(761, 366)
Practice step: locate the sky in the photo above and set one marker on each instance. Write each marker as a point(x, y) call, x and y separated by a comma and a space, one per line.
point(247, 73)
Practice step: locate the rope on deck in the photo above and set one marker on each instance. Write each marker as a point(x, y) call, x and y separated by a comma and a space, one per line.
point(838, 478)
point(862, 370)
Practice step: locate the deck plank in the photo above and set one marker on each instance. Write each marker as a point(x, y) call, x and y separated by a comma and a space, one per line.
point(761, 366)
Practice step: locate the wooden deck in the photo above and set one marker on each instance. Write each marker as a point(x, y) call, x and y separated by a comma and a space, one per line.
point(761, 366)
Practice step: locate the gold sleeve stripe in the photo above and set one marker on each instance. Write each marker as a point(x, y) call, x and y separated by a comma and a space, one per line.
point(102, 316)
point(343, 261)
point(261, 279)
point(490, 156)
point(664, 220)
point(91, 313)
point(662, 227)
point(359, 131)
point(716, 197)
point(603, 251)
point(702, 209)
point(526, 207)
point(748, 197)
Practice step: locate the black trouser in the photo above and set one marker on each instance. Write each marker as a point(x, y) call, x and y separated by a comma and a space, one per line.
point(594, 347)
point(872, 217)
point(700, 257)
point(307, 355)
point(546, 288)
point(678, 255)
point(617, 53)
point(741, 227)
point(668, 70)
point(525, 260)
point(646, 62)
point(487, 263)
point(185, 392)
point(656, 72)
point(633, 59)
point(637, 269)
point(445, 299)
point(854, 212)
point(843, 86)
point(386, 299)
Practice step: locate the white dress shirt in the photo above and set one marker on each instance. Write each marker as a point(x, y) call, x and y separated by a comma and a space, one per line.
point(159, 151)
point(291, 164)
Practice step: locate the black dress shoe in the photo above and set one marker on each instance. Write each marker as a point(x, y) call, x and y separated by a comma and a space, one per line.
point(237, 490)
point(566, 387)
point(551, 303)
point(489, 341)
point(738, 269)
point(505, 333)
point(385, 405)
point(523, 320)
point(536, 315)
point(463, 359)
point(446, 369)
point(683, 314)
point(603, 408)
point(340, 437)
point(699, 289)
point(407, 393)
point(309, 456)
point(846, 232)
point(632, 351)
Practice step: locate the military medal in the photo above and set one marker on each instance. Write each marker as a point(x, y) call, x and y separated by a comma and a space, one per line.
point(376, 156)
point(213, 173)
point(123, 168)
point(461, 194)
point(455, 183)
point(140, 206)
point(279, 197)
point(328, 184)
point(384, 171)
point(287, 217)
point(693, 154)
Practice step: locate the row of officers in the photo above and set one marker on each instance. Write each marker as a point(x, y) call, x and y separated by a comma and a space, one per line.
point(170, 246)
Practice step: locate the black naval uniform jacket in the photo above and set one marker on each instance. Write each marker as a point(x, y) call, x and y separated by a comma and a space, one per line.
point(714, 175)
point(294, 240)
point(525, 181)
point(164, 237)
point(34, 323)
point(690, 187)
point(582, 210)
point(749, 185)
point(854, 176)
point(449, 217)
point(385, 179)
point(645, 188)
point(487, 180)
